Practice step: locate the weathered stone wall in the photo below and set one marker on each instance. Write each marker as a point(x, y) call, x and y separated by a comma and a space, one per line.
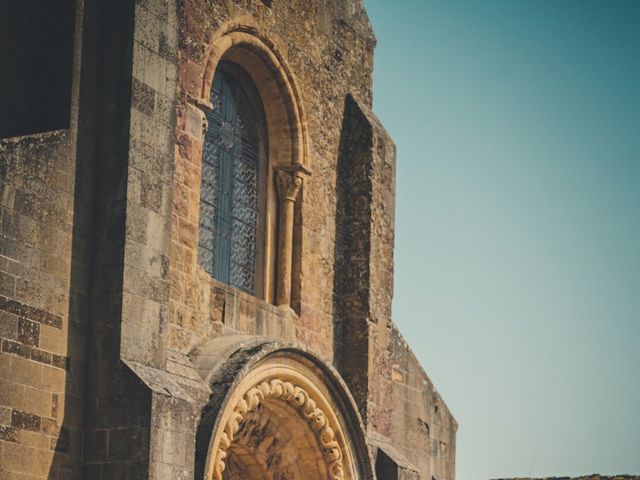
point(422, 427)
point(104, 307)
point(36, 184)
point(328, 48)
point(396, 398)
point(345, 221)
point(42, 331)
point(118, 404)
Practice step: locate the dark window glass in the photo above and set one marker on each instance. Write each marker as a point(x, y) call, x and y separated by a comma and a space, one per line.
point(229, 195)
point(36, 57)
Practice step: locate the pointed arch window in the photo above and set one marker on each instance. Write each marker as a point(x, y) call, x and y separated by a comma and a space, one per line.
point(233, 185)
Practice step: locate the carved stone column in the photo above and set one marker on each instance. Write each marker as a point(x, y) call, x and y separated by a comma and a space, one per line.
point(288, 183)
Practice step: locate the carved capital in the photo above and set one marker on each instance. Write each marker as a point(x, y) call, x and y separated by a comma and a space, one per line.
point(288, 182)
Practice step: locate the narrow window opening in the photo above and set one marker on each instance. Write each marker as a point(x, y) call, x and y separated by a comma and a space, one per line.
point(232, 195)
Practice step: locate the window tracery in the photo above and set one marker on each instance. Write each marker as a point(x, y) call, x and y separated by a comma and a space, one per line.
point(232, 190)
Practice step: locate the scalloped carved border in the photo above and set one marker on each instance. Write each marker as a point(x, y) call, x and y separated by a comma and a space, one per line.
point(300, 399)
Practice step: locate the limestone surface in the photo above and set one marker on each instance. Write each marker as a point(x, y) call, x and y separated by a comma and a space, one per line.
point(120, 355)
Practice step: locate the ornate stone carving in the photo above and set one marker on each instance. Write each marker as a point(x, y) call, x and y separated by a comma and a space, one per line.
point(288, 183)
point(300, 399)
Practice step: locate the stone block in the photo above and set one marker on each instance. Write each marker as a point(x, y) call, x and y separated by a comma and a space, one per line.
point(16, 348)
point(5, 416)
point(53, 379)
point(143, 97)
point(37, 402)
point(61, 361)
point(52, 340)
point(32, 439)
point(32, 313)
point(41, 356)
point(28, 332)
point(49, 427)
point(26, 460)
point(8, 326)
point(8, 434)
point(25, 421)
point(147, 28)
point(7, 284)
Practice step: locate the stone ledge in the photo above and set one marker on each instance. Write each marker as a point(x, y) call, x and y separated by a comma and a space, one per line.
point(402, 468)
point(168, 384)
point(32, 313)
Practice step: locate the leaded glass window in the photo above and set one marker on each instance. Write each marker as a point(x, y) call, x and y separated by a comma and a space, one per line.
point(230, 195)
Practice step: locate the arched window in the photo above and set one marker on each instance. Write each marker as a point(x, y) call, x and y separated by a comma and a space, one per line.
point(233, 185)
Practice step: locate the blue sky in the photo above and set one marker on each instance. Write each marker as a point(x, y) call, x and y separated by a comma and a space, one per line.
point(518, 223)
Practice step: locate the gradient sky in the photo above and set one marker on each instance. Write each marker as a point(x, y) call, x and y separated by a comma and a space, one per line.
point(518, 223)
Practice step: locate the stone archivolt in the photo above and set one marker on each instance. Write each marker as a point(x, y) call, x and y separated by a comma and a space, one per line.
point(244, 45)
point(276, 389)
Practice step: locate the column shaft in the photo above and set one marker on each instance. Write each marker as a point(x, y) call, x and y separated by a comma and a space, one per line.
point(288, 182)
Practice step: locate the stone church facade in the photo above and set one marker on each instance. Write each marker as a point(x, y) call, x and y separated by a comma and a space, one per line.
point(196, 249)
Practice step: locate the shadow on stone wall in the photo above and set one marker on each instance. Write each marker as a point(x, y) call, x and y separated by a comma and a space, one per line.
point(351, 252)
point(103, 400)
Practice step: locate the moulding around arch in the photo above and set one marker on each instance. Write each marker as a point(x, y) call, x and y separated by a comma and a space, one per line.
point(299, 398)
point(234, 364)
point(245, 34)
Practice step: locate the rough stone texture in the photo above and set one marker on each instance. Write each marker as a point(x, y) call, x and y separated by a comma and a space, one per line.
point(42, 339)
point(105, 314)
